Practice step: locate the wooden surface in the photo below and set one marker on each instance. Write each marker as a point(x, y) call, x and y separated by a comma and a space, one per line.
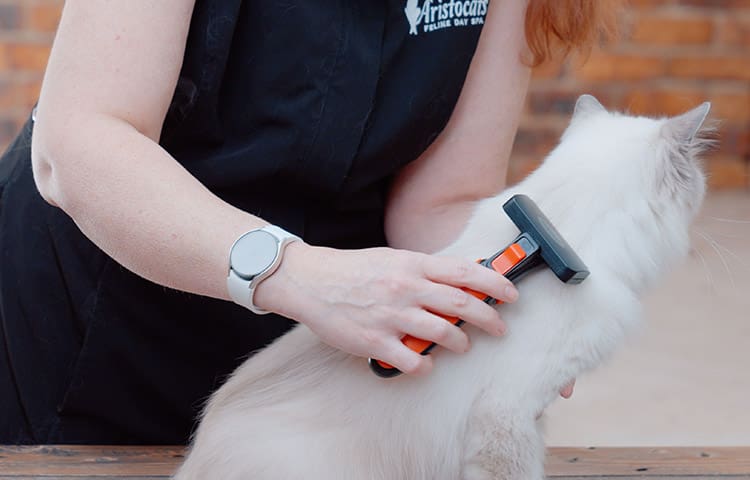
point(147, 463)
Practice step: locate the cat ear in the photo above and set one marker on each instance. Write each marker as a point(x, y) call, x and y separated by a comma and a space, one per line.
point(685, 127)
point(682, 134)
point(586, 105)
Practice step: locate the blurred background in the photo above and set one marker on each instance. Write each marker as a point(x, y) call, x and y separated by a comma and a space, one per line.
point(685, 379)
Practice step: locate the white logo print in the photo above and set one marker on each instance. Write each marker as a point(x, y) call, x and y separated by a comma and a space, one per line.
point(437, 14)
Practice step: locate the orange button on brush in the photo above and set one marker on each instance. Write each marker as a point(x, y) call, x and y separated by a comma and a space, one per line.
point(508, 259)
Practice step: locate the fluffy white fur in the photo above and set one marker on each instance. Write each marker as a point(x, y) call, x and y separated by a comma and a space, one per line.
point(622, 190)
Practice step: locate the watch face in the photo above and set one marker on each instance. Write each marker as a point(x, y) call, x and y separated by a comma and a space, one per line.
point(253, 253)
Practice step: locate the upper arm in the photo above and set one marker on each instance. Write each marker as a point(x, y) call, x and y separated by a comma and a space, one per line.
point(112, 63)
point(115, 58)
point(469, 159)
point(472, 151)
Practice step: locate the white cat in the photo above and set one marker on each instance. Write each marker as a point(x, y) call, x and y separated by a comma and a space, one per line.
point(621, 190)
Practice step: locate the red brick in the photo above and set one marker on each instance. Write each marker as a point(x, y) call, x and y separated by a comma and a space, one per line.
point(673, 30)
point(648, 4)
point(663, 102)
point(3, 58)
point(734, 31)
point(734, 140)
point(10, 17)
point(28, 56)
point(731, 106)
point(728, 67)
point(19, 95)
point(551, 102)
point(727, 172)
point(550, 69)
point(7, 98)
point(620, 67)
point(43, 17)
point(560, 101)
point(535, 142)
point(30, 94)
point(715, 4)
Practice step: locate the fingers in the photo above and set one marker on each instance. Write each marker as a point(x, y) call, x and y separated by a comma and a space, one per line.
point(428, 326)
point(408, 361)
point(464, 273)
point(447, 300)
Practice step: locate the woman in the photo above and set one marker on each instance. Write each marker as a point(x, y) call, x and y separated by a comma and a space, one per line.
point(167, 130)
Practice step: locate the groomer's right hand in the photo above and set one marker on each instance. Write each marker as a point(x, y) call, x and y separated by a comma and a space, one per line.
point(365, 301)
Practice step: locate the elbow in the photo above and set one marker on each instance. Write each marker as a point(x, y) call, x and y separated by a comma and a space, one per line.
point(48, 146)
point(41, 165)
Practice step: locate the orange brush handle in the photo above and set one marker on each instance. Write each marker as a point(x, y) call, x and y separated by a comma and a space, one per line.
point(503, 263)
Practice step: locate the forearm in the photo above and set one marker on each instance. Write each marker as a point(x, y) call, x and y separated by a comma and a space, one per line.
point(135, 202)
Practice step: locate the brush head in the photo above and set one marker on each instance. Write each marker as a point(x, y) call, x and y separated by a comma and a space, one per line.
point(554, 250)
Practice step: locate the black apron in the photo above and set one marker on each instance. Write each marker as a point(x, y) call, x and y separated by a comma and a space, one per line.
point(300, 112)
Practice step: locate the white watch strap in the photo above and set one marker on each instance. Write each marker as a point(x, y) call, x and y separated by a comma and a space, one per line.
point(241, 290)
point(280, 233)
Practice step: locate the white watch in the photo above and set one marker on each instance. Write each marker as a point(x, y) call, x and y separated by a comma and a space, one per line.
point(253, 257)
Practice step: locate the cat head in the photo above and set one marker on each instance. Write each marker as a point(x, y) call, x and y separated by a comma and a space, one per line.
point(626, 188)
point(659, 157)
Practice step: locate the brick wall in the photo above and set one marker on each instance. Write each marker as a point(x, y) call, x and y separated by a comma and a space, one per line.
point(673, 55)
point(26, 31)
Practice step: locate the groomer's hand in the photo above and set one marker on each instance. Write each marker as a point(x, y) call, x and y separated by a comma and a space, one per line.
point(365, 301)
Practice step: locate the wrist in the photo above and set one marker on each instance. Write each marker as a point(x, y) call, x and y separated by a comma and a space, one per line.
point(278, 292)
point(254, 256)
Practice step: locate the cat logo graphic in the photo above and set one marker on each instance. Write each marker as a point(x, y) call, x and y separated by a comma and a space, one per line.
point(438, 14)
point(413, 15)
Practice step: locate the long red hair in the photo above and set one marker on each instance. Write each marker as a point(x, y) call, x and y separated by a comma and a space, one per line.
point(556, 27)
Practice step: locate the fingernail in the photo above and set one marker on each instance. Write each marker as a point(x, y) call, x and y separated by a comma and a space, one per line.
point(511, 294)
